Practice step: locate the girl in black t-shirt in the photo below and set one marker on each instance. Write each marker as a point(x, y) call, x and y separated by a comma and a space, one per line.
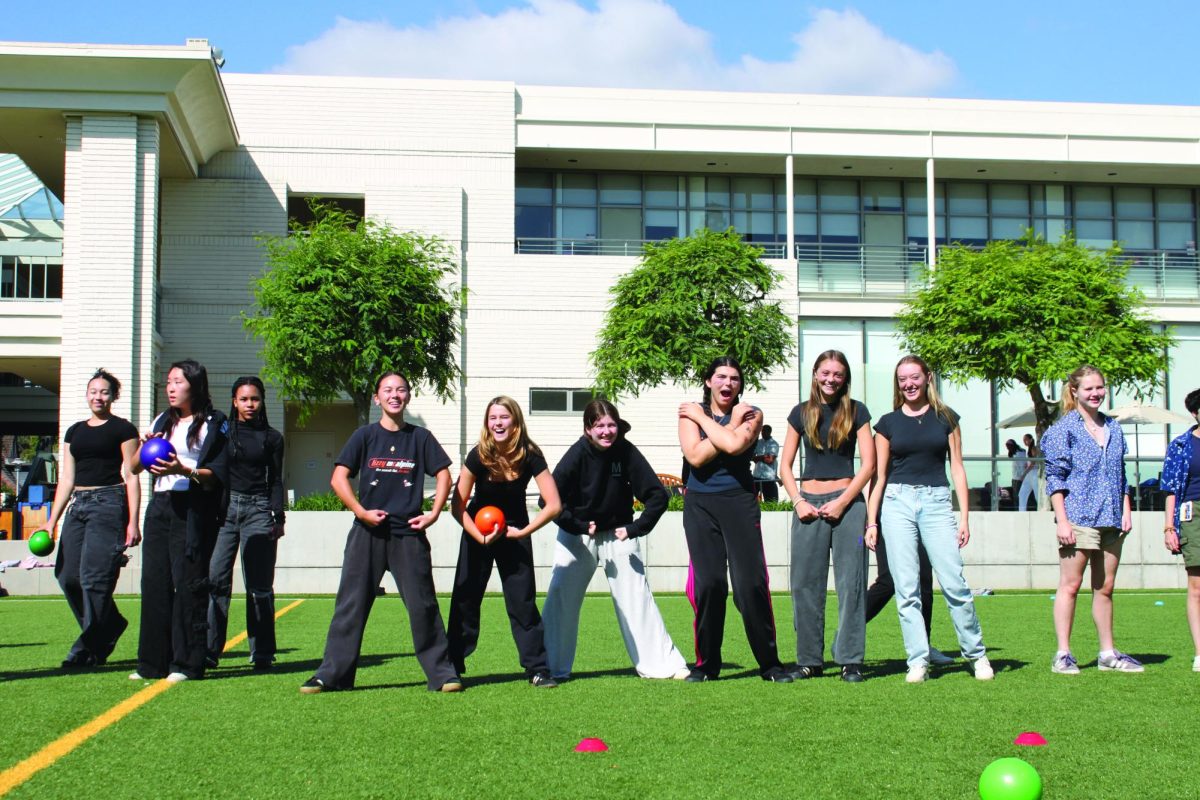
point(99, 495)
point(391, 458)
point(253, 524)
point(499, 469)
point(830, 516)
point(911, 497)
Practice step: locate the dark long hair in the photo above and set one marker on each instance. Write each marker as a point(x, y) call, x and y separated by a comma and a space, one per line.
point(258, 423)
point(197, 377)
point(721, 361)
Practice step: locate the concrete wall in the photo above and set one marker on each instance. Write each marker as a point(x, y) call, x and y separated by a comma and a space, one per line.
point(1008, 550)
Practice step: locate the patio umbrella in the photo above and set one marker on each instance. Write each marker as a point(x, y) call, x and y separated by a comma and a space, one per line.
point(1138, 414)
point(1025, 419)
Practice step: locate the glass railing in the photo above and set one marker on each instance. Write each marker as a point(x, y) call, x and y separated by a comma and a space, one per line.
point(612, 247)
point(855, 269)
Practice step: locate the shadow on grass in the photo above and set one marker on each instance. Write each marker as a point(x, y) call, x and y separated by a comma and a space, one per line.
point(236, 665)
point(125, 666)
point(23, 644)
point(898, 666)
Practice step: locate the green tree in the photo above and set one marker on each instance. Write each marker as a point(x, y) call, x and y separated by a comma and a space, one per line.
point(688, 302)
point(344, 300)
point(1031, 311)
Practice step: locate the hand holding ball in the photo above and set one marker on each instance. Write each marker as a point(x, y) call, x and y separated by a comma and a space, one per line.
point(41, 543)
point(155, 449)
point(490, 519)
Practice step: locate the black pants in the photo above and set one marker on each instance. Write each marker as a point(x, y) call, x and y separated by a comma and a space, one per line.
point(175, 591)
point(514, 559)
point(368, 555)
point(250, 525)
point(91, 552)
point(884, 589)
point(768, 489)
point(723, 531)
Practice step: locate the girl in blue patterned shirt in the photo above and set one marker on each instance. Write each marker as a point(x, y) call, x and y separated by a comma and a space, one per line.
point(1085, 479)
point(1181, 533)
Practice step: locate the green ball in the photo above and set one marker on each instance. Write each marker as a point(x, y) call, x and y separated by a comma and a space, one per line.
point(40, 544)
point(1010, 779)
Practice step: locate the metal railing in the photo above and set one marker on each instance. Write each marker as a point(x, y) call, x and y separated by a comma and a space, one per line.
point(1164, 274)
point(855, 269)
point(30, 278)
point(612, 247)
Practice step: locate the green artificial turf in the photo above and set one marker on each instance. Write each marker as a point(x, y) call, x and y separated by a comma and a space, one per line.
point(248, 735)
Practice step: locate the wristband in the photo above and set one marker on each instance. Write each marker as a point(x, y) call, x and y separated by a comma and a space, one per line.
point(872, 525)
point(1170, 529)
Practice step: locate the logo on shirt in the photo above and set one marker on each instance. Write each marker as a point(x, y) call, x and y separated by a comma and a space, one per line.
point(394, 466)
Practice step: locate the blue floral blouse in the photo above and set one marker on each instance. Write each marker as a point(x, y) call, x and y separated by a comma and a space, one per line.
point(1176, 468)
point(1091, 477)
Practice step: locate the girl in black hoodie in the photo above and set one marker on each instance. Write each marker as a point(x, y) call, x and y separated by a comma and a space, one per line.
point(597, 480)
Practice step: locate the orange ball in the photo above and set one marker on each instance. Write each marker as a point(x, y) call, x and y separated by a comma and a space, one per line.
point(488, 518)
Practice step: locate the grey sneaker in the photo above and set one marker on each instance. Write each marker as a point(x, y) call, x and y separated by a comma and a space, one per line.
point(1120, 662)
point(1064, 665)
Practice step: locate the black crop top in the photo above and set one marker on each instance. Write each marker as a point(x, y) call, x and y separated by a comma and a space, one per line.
point(97, 450)
point(919, 446)
point(508, 496)
point(829, 464)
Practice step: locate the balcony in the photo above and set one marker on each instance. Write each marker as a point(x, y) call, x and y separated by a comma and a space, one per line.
point(30, 271)
point(612, 247)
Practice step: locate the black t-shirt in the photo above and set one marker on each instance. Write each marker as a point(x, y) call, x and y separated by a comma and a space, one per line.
point(256, 462)
point(97, 450)
point(919, 446)
point(392, 466)
point(829, 464)
point(508, 496)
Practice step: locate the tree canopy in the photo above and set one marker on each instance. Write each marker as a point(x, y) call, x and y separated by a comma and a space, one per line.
point(345, 299)
point(1032, 311)
point(689, 301)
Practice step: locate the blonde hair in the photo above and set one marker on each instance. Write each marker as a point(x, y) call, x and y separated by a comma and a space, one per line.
point(931, 393)
point(843, 415)
point(1071, 386)
point(505, 459)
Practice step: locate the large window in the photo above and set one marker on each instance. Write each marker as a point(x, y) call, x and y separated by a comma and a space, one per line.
point(600, 212)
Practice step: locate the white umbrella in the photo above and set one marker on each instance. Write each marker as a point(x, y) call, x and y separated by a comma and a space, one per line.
point(1025, 419)
point(1138, 414)
point(1141, 414)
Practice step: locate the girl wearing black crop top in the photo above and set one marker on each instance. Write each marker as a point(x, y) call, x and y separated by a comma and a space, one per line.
point(830, 515)
point(498, 469)
point(254, 522)
point(99, 495)
point(911, 497)
point(721, 522)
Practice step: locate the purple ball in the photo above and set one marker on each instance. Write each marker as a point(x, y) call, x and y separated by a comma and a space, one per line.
point(155, 449)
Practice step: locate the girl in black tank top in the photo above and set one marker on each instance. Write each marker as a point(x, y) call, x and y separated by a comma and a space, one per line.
point(100, 522)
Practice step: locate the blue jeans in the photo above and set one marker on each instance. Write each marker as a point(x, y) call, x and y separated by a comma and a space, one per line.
point(923, 513)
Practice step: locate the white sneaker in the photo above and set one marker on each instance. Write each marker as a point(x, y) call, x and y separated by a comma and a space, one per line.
point(939, 659)
point(682, 673)
point(1196, 664)
point(176, 677)
point(916, 674)
point(983, 669)
point(1120, 662)
point(137, 676)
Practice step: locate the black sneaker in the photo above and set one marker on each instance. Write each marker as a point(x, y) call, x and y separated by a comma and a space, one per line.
point(263, 665)
point(84, 660)
point(852, 673)
point(211, 662)
point(542, 680)
point(777, 675)
point(314, 685)
point(801, 673)
point(698, 676)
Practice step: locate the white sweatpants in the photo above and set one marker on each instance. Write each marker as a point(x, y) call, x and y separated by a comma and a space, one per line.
point(650, 648)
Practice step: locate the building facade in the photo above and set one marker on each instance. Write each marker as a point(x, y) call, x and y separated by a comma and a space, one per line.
point(171, 170)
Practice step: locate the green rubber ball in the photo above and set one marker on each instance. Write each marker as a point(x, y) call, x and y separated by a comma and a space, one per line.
point(40, 543)
point(1010, 779)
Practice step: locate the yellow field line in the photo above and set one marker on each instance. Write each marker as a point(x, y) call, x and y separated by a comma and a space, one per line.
point(241, 637)
point(19, 773)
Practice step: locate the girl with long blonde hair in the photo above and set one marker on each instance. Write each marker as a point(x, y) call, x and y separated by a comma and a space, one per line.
point(498, 469)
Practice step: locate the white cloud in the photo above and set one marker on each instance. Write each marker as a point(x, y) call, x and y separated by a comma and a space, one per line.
point(623, 43)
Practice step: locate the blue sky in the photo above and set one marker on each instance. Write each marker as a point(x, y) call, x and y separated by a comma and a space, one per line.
point(1069, 50)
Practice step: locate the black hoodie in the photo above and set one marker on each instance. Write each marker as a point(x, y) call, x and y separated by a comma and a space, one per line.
point(599, 486)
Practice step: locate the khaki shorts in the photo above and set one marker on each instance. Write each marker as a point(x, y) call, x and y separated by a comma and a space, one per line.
point(1107, 539)
point(1189, 542)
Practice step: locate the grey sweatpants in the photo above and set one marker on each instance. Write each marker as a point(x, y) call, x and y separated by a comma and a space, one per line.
point(811, 545)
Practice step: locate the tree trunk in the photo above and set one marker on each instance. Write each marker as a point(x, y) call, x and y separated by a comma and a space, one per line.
point(362, 406)
point(1043, 409)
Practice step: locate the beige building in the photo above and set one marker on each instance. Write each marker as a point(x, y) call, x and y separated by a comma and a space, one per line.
point(169, 170)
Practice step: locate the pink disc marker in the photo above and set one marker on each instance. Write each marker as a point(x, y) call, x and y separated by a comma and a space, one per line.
point(591, 745)
point(1030, 739)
